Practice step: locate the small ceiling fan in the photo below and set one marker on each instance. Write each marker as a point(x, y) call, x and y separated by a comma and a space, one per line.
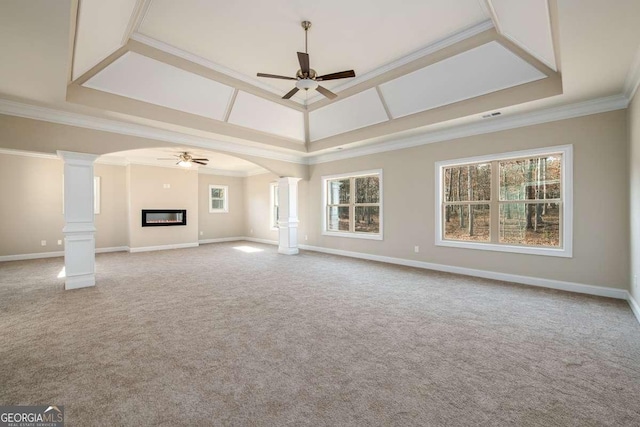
point(306, 77)
point(185, 159)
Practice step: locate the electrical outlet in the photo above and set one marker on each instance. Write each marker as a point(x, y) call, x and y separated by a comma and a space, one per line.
point(201, 233)
point(59, 242)
point(166, 185)
point(416, 249)
point(251, 231)
point(43, 242)
point(306, 237)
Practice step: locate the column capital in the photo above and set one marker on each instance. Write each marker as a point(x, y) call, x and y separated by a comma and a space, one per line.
point(71, 156)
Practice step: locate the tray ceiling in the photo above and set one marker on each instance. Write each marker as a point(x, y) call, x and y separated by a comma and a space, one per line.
point(189, 67)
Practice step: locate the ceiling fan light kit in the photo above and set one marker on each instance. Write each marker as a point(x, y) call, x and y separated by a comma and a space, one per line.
point(186, 159)
point(306, 77)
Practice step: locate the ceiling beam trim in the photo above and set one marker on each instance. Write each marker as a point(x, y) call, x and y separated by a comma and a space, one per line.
point(415, 56)
point(384, 103)
point(232, 101)
point(137, 17)
point(222, 74)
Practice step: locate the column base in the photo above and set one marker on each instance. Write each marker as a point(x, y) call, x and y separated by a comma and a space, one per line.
point(288, 251)
point(77, 282)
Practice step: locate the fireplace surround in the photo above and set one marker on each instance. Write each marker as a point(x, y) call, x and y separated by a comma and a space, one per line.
point(163, 217)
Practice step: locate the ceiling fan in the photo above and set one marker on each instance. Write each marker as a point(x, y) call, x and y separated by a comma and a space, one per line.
point(306, 77)
point(185, 159)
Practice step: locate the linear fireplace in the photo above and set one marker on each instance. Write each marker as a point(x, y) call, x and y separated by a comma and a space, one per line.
point(163, 217)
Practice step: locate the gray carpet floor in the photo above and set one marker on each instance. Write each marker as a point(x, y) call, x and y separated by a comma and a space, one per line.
point(216, 336)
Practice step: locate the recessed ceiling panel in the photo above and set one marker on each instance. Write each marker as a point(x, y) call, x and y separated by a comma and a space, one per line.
point(260, 114)
point(100, 31)
point(526, 23)
point(355, 112)
point(484, 69)
point(145, 79)
point(264, 36)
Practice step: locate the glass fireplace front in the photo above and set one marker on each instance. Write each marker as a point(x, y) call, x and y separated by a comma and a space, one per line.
point(163, 217)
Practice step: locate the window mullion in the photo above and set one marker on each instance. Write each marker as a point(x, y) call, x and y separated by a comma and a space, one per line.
point(495, 202)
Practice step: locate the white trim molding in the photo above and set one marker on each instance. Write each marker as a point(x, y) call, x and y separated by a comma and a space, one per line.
point(505, 122)
point(29, 111)
point(220, 240)
point(634, 306)
point(580, 288)
point(56, 254)
point(163, 247)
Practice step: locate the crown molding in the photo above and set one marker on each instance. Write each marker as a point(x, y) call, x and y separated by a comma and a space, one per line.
point(428, 50)
point(170, 49)
point(595, 106)
point(552, 114)
point(29, 111)
point(23, 153)
point(122, 161)
point(632, 81)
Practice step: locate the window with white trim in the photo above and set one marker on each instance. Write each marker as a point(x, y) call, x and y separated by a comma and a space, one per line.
point(353, 205)
point(218, 199)
point(274, 205)
point(512, 202)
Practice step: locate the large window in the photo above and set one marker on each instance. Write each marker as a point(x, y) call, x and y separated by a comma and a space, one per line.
point(513, 202)
point(218, 199)
point(353, 205)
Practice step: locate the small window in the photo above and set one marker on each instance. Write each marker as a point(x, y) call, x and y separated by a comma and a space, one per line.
point(513, 202)
point(218, 199)
point(274, 205)
point(353, 205)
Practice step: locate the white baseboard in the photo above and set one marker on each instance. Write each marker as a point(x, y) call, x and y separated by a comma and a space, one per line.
point(635, 307)
point(21, 257)
point(525, 280)
point(220, 240)
point(265, 241)
point(113, 249)
point(56, 254)
point(163, 247)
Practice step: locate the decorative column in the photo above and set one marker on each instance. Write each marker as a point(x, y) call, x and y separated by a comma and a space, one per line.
point(79, 229)
point(288, 215)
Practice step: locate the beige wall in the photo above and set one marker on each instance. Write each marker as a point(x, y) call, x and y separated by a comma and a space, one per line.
point(601, 214)
point(220, 225)
point(257, 205)
point(31, 199)
point(634, 194)
point(111, 222)
point(31, 188)
point(146, 185)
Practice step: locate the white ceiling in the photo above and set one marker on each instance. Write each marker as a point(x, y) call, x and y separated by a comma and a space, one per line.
point(264, 36)
point(218, 162)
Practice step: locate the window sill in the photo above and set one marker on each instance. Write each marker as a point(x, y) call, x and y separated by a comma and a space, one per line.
point(353, 235)
point(563, 253)
point(219, 211)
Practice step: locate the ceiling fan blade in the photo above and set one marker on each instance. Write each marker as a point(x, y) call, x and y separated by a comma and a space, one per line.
point(291, 93)
point(206, 160)
point(339, 75)
point(198, 162)
point(303, 58)
point(326, 92)
point(275, 76)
